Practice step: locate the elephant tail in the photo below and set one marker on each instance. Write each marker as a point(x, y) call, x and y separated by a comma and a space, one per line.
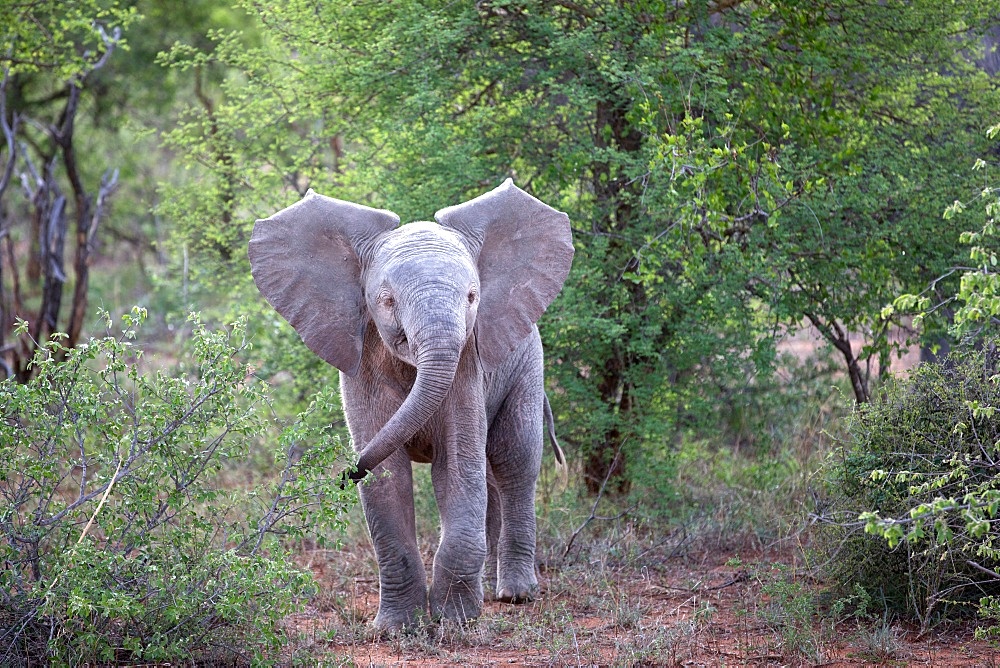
point(550, 428)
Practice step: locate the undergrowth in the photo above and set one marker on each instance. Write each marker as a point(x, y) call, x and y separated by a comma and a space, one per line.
point(913, 493)
point(125, 533)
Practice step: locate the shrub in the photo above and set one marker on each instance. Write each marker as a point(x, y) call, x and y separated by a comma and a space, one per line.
point(916, 492)
point(125, 534)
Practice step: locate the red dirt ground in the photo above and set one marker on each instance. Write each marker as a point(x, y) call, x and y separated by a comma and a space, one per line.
point(685, 612)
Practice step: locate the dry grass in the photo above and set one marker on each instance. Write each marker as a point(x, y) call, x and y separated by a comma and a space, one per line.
point(692, 609)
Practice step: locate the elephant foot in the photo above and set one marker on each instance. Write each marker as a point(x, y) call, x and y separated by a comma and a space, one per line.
point(397, 620)
point(517, 595)
point(458, 602)
point(398, 611)
point(517, 589)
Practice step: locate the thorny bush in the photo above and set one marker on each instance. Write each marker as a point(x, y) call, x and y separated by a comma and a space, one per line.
point(124, 533)
point(915, 492)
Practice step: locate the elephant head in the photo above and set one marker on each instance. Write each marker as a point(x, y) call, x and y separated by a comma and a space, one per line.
point(485, 273)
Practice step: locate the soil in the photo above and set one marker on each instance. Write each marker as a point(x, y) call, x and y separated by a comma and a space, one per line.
point(691, 610)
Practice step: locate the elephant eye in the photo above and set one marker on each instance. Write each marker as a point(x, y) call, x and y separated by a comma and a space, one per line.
point(472, 297)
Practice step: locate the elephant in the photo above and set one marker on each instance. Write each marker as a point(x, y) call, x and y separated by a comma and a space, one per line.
point(433, 328)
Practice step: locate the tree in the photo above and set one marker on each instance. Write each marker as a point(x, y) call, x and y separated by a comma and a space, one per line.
point(974, 305)
point(731, 168)
point(901, 143)
point(51, 51)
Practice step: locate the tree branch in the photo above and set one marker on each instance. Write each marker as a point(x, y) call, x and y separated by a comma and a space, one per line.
point(835, 334)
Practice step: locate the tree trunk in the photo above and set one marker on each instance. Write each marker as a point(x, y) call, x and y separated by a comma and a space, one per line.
point(605, 468)
point(840, 339)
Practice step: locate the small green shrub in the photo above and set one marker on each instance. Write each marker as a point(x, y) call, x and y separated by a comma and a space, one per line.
point(914, 491)
point(125, 535)
point(789, 609)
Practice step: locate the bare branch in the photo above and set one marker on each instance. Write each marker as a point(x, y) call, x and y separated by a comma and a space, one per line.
point(597, 501)
point(109, 46)
point(983, 569)
point(9, 128)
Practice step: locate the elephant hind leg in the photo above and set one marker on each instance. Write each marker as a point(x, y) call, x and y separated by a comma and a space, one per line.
point(517, 581)
point(493, 525)
point(514, 448)
point(512, 552)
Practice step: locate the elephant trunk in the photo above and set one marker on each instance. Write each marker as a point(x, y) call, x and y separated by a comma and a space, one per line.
point(436, 363)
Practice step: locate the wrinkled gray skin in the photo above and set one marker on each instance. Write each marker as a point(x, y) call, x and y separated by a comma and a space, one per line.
point(432, 326)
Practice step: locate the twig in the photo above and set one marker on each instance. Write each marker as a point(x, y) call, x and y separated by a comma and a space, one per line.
point(100, 504)
point(983, 569)
point(597, 501)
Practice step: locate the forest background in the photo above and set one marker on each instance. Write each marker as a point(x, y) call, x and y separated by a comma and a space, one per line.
point(734, 172)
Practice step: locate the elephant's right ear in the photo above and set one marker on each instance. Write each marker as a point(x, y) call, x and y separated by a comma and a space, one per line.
point(305, 261)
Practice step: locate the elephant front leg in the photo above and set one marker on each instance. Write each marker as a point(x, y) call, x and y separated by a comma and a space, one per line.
point(388, 506)
point(457, 583)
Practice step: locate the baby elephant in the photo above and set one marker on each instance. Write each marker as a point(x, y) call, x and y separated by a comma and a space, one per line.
point(432, 326)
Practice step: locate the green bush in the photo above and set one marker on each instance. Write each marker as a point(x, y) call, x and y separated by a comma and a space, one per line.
point(131, 527)
point(915, 491)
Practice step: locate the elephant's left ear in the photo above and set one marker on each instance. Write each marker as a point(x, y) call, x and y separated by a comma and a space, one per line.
point(525, 249)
